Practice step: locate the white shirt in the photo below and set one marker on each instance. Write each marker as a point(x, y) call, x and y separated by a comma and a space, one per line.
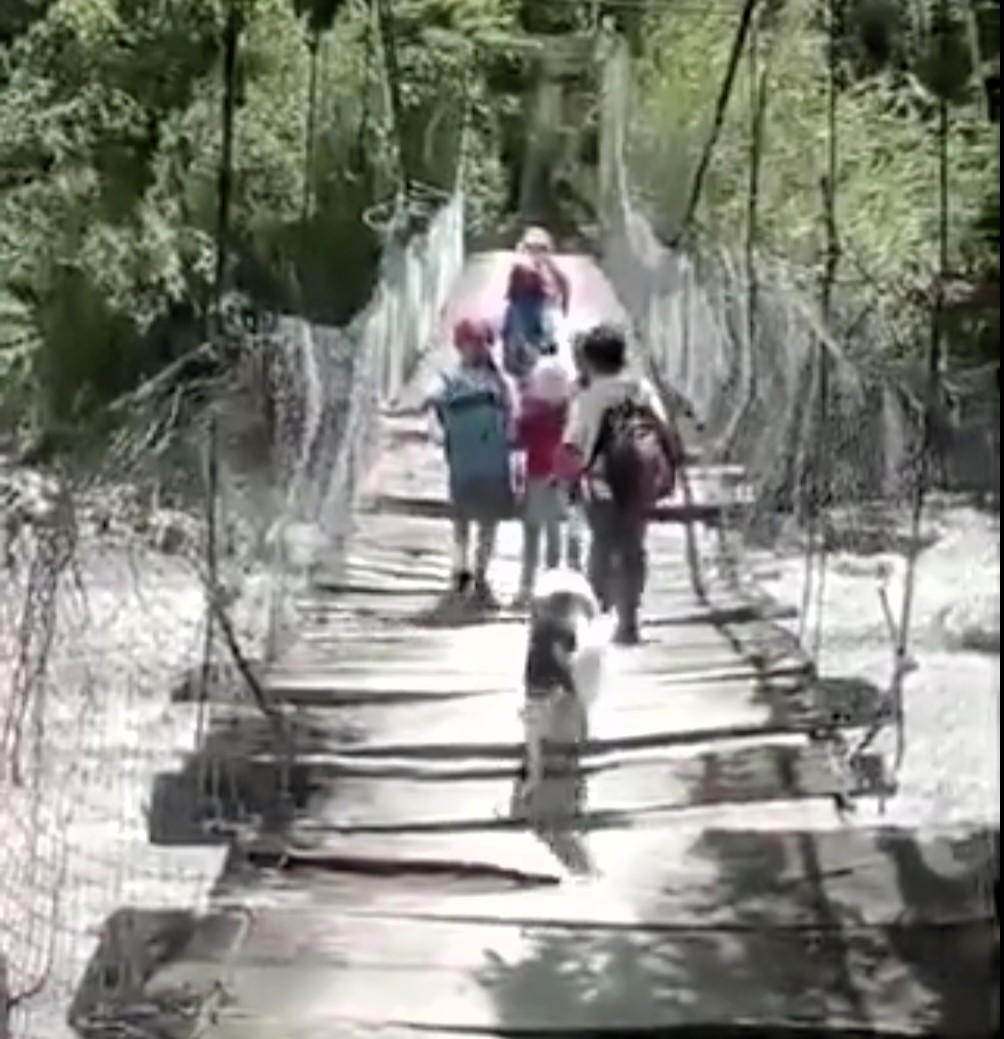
point(602, 393)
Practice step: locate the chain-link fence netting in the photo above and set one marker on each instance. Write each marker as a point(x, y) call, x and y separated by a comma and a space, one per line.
point(138, 603)
point(870, 496)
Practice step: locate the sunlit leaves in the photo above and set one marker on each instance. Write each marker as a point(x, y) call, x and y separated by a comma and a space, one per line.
point(887, 195)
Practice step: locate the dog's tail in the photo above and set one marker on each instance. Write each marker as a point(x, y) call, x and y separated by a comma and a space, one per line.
point(593, 638)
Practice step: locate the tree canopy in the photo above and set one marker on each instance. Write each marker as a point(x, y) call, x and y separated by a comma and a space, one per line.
point(111, 134)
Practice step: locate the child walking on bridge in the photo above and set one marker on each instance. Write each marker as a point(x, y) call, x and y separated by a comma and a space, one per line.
point(543, 412)
point(473, 404)
point(623, 449)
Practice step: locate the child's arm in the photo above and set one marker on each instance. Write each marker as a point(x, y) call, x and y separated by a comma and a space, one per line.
point(509, 403)
point(434, 392)
point(570, 458)
point(651, 400)
point(671, 440)
point(564, 288)
point(431, 403)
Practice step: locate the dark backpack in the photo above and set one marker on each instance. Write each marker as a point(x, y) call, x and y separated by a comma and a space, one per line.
point(635, 456)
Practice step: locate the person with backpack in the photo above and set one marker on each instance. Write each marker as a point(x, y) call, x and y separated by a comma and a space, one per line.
point(620, 444)
point(473, 405)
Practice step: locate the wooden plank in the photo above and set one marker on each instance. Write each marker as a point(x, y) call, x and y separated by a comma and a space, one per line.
point(645, 711)
point(421, 605)
point(876, 982)
point(670, 690)
point(701, 870)
point(498, 650)
point(639, 783)
point(423, 614)
point(773, 874)
point(335, 624)
point(775, 929)
point(390, 503)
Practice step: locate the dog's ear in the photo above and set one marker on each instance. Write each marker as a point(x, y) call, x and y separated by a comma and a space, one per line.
point(594, 637)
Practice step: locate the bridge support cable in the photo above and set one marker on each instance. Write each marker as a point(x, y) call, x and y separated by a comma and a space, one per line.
point(742, 34)
point(387, 34)
point(224, 191)
point(820, 483)
point(899, 626)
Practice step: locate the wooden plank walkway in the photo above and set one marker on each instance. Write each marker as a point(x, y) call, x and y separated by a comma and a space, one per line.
point(707, 883)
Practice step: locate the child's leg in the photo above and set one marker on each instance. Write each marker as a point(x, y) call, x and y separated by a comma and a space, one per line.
point(554, 521)
point(461, 551)
point(484, 550)
point(602, 548)
point(531, 557)
point(534, 522)
point(574, 536)
point(534, 721)
point(630, 549)
point(552, 543)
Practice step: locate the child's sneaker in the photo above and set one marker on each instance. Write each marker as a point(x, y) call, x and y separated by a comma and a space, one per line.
point(461, 583)
point(482, 595)
point(627, 632)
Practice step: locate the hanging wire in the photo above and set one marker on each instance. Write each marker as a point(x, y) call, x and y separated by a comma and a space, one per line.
point(819, 482)
point(225, 175)
point(903, 663)
point(314, 45)
point(831, 270)
point(721, 108)
point(387, 34)
point(231, 38)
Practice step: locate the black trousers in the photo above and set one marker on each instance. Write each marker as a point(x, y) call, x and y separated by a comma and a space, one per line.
point(618, 565)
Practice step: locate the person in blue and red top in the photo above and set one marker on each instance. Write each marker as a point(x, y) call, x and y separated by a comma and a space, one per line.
point(537, 299)
point(538, 245)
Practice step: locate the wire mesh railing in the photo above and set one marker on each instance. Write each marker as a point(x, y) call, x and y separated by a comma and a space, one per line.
point(837, 450)
point(138, 602)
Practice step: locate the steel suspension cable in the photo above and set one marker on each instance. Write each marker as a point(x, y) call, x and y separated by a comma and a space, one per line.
point(833, 254)
point(903, 664)
point(718, 121)
point(820, 484)
point(935, 353)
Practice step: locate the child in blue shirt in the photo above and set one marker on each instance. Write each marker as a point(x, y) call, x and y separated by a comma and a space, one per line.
point(473, 404)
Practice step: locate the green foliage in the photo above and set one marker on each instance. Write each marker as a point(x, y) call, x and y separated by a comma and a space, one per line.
point(890, 72)
point(445, 51)
point(110, 143)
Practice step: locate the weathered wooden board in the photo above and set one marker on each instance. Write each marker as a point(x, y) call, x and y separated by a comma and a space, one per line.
point(872, 876)
point(617, 789)
point(498, 650)
point(772, 929)
point(640, 711)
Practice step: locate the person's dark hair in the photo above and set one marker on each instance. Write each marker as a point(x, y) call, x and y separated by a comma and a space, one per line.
point(604, 349)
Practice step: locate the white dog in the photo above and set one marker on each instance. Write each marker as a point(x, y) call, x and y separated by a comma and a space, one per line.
point(563, 672)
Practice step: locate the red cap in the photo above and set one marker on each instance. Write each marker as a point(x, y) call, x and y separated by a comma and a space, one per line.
point(473, 332)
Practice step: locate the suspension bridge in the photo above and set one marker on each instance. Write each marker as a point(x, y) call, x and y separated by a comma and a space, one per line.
point(711, 879)
point(711, 861)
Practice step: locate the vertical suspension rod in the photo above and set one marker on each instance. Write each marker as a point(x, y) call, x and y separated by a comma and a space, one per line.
point(935, 360)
